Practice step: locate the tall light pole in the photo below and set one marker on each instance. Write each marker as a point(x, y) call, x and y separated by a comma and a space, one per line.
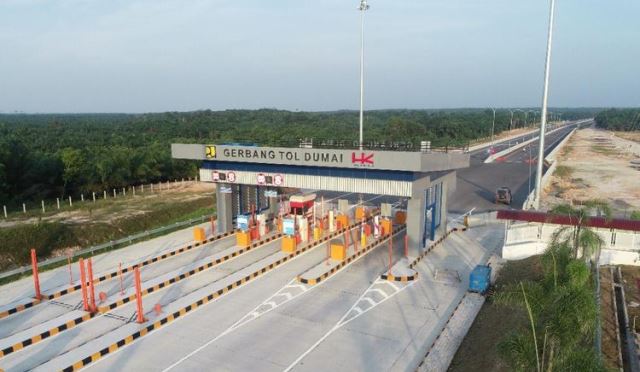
point(543, 116)
point(493, 125)
point(363, 7)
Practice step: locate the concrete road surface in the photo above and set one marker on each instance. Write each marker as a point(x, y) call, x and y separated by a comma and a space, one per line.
point(477, 184)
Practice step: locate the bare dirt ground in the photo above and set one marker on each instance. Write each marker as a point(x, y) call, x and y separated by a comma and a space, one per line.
point(595, 164)
point(631, 136)
point(115, 208)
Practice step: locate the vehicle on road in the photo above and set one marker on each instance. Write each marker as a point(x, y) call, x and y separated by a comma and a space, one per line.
point(503, 195)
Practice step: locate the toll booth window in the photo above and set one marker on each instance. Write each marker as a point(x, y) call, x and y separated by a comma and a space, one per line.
point(269, 180)
point(223, 177)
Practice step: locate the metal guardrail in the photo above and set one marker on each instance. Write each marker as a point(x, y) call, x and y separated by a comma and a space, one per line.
point(128, 239)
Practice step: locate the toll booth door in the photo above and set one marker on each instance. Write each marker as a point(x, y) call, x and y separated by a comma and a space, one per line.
point(432, 213)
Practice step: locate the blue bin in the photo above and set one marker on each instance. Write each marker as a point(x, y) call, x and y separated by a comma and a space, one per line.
point(480, 279)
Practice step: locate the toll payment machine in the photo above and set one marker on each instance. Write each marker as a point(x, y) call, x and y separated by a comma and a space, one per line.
point(289, 241)
point(243, 236)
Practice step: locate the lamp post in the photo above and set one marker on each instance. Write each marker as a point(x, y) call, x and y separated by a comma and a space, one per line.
point(363, 7)
point(493, 125)
point(543, 121)
point(511, 122)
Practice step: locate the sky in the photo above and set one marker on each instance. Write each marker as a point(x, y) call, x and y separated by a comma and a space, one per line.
point(183, 55)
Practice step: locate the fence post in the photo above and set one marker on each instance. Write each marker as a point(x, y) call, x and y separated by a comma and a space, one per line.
point(34, 269)
point(82, 198)
point(124, 192)
point(152, 187)
point(104, 194)
point(133, 188)
point(4, 208)
point(24, 208)
point(42, 206)
point(136, 272)
point(58, 202)
point(114, 193)
point(142, 188)
point(94, 196)
point(70, 203)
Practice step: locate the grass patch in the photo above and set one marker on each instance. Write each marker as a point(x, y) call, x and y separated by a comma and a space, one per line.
point(563, 172)
point(478, 351)
point(49, 238)
point(603, 150)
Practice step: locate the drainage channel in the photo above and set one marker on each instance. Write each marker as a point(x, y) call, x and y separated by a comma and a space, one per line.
point(627, 342)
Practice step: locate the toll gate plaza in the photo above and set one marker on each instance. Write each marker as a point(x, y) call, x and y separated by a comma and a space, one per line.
point(247, 175)
point(318, 259)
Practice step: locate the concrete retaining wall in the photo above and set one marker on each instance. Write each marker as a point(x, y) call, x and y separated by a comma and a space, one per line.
point(524, 240)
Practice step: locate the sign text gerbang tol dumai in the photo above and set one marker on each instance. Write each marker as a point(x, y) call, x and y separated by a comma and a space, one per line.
point(264, 154)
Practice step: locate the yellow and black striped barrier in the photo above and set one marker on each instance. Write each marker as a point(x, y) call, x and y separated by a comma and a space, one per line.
point(431, 247)
point(166, 283)
point(408, 278)
point(19, 308)
point(149, 261)
point(360, 252)
point(39, 337)
point(177, 314)
point(403, 278)
point(72, 323)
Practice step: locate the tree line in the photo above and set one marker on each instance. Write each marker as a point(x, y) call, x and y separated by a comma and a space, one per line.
point(51, 155)
point(619, 119)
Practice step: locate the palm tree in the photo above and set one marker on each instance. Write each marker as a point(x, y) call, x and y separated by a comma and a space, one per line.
point(579, 236)
point(561, 313)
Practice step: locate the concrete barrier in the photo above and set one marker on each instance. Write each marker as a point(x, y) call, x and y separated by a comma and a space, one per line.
point(552, 164)
point(524, 240)
point(511, 149)
point(481, 219)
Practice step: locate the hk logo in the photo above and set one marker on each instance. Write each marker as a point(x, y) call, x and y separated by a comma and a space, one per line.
point(363, 160)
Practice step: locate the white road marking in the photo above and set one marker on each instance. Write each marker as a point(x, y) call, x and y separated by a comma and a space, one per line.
point(346, 319)
point(256, 313)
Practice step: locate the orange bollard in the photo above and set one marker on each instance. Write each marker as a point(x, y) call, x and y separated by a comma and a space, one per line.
point(328, 251)
point(83, 285)
point(346, 240)
point(70, 273)
point(92, 290)
point(406, 245)
point(102, 296)
point(390, 252)
point(140, 317)
point(213, 227)
point(158, 309)
point(120, 276)
point(34, 269)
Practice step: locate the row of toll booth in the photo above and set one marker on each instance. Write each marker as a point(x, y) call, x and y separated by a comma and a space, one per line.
point(305, 217)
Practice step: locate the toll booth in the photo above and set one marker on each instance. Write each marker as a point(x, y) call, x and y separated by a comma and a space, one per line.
point(257, 175)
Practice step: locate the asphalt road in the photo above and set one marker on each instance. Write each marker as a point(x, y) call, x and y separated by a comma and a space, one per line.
point(477, 184)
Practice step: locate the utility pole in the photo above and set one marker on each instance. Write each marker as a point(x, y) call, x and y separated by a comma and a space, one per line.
point(493, 125)
point(363, 7)
point(543, 116)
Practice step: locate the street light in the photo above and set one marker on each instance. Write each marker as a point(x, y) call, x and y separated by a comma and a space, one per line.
point(493, 126)
point(512, 111)
point(545, 96)
point(363, 7)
